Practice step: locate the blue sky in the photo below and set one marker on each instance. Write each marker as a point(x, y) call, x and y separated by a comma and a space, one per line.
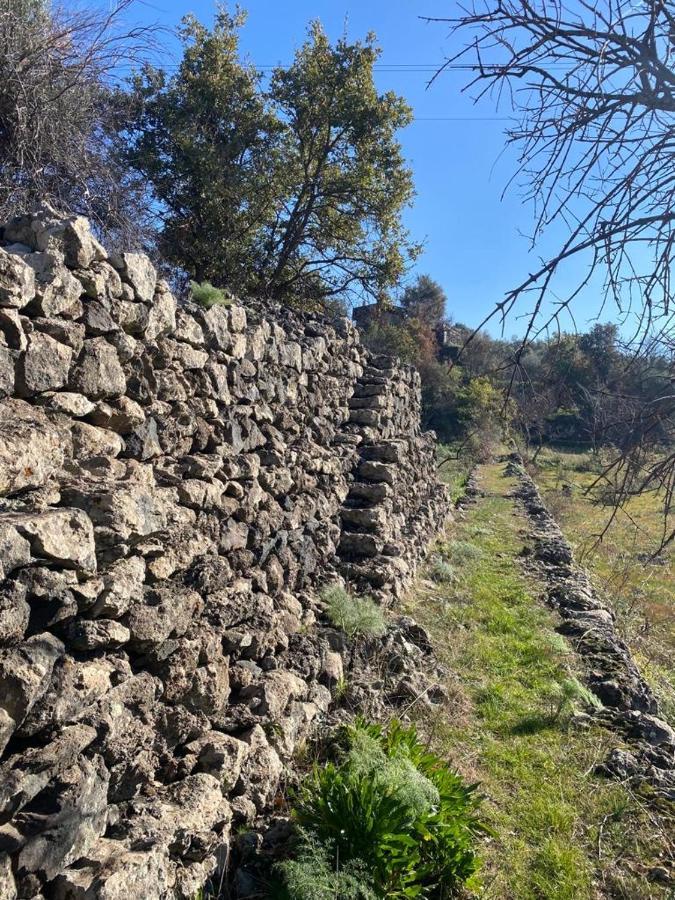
point(475, 241)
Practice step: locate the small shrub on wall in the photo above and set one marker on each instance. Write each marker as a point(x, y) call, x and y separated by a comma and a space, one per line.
point(356, 616)
point(206, 295)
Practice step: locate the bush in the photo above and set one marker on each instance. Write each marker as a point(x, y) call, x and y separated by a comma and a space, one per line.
point(463, 552)
point(353, 615)
point(442, 572)
point(207, 295)
point(389, 805)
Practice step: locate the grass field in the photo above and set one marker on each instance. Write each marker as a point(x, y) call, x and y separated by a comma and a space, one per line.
point(641, 591)
point(561, 833)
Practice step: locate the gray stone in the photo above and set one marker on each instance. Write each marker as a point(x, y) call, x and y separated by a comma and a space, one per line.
point(90, 442)
point(72, 237)
point(65, 536)
point(24, 677)
point(8, 360)
point(17, 281)
point(76, 405)
point(162, 316)
point(137, 270)
point(32, 448)
point(98, 373)
point(57, 291)
point(7, 883)
point(44, 366)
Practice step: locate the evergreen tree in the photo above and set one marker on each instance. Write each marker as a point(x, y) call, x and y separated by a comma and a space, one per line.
point(294, 193)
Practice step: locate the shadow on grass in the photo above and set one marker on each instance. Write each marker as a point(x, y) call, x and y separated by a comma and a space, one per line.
point(533, 724)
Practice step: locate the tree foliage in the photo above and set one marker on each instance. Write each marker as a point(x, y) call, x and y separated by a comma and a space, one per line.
point(207, 144)
point(425, 300)
point(293, 192)
point(59, 121)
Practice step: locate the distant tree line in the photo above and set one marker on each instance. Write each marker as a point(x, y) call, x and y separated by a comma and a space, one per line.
point(588, 390)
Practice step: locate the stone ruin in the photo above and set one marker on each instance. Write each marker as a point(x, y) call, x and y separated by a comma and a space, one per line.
point(176, 483)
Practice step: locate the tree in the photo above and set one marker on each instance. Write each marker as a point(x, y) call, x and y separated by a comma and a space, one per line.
point(593, 88)
point(209, 146)
point(339, 230)
point(294, 193)
point(425, 300)
point(59, 123)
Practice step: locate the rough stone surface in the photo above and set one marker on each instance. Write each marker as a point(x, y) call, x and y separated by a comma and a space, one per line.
point(176, 485)
point(628, 702)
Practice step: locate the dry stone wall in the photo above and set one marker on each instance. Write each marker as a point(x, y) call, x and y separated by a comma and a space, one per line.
point(175, 483)
point(628, 704)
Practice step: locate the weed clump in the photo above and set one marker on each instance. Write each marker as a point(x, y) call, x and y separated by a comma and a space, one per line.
point(390, 810)
point(206, 295)
point(569, 691)
point(356, 616)
point(442, 572)
point(463, 552)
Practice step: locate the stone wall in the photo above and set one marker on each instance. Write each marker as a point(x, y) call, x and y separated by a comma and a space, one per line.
point(628, 704)
point(175, 484)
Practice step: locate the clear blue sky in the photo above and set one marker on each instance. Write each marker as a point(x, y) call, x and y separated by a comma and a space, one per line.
point(475, 241)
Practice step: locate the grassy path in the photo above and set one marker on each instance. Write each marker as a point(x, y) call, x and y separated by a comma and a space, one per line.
point(560, 832)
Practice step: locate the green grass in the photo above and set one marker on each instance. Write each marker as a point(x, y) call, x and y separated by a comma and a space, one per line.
point(641, 594)
point(562, 833)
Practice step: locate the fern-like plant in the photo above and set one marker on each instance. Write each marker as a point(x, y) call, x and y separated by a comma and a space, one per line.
point(310, 875)
point(393, 807)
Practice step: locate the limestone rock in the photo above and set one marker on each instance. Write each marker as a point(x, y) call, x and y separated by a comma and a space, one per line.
point(98, 373)
point(138, 271)
point(17, 281)
point(65, 536)
point(32, 447)
point(24, 677)
point(44, 366)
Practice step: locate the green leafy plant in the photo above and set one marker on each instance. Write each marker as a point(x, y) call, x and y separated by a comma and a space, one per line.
point(207, 295)
point(341, 689)
point(392, 806)
point(356, 616)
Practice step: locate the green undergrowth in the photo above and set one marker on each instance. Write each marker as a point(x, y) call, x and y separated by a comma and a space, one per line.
point(561, 832)
point(384, 818)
